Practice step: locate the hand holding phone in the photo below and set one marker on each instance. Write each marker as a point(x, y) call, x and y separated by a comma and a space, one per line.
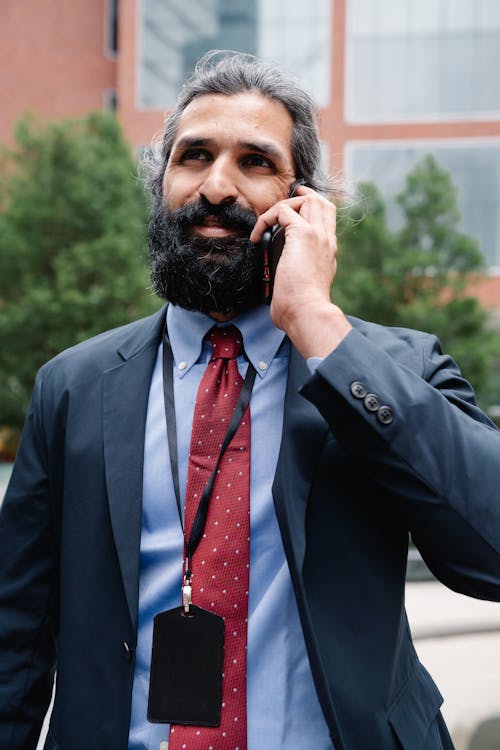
point(271, 246)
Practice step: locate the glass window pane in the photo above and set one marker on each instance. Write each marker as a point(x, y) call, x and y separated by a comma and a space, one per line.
point(459, 15)
point(446, 45)
point(424, 16)
point(361, 17)
point(174, 34)
point(392, 17)
point(363, 74)
point(475, 169)
point(458, 67)
point(485, 76)
point(422, 85)
point(299, 39)
point(112, 26)
point(489, 15)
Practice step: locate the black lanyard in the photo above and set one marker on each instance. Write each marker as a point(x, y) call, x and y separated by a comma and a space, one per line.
point(240, 408)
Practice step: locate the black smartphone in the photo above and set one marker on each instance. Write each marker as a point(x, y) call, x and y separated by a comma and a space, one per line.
point(271, 246)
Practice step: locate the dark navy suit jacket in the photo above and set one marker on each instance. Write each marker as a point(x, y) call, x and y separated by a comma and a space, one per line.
point(350, 485)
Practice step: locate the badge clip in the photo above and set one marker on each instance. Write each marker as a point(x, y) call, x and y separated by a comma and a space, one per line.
point(187, 592)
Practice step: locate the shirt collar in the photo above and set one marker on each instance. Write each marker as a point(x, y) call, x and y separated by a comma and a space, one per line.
point(187, 328)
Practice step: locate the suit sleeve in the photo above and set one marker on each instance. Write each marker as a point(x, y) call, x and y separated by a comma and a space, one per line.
point(427, 447)
point(28, 589)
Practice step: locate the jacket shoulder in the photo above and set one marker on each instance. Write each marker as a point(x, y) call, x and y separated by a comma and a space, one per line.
point(107, 349)
point(400, 343)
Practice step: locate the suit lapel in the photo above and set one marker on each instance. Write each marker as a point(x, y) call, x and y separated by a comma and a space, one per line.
point(304, 435)
point(125, 402)
point(304, 431)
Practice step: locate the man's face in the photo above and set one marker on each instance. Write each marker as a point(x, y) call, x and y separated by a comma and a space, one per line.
point(230, 161)
point(233, 149)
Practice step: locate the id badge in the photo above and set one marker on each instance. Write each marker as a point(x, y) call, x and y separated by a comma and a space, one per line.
point(185, 685)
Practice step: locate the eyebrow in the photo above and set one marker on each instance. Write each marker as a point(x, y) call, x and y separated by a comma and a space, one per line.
point(261, 147)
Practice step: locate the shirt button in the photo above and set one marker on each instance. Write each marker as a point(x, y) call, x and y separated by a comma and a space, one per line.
point(182, 365)
point(385, 415)
point(164, 745)
point(358, 390)
point(371, 402)
point(262, 365)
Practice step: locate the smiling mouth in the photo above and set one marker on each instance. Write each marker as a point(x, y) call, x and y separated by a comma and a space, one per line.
point(212, 227)
point(213, 230)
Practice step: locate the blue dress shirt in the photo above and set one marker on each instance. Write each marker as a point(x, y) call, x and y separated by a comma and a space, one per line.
point(283, 709)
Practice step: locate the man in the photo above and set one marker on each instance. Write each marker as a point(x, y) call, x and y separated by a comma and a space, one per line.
point(360, 435)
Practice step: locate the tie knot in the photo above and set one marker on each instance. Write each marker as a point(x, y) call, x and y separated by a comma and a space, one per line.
point(226, 342)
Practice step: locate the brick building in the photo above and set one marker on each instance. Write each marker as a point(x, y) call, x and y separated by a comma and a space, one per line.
point(394, 78)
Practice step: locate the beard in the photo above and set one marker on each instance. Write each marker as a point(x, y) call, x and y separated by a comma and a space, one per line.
point(210, 275)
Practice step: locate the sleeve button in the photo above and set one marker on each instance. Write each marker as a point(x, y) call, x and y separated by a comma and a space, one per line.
point(371, 402)
point(385, 415)
point(358, 390)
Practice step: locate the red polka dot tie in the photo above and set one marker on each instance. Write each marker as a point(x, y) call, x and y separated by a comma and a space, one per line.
point(220, 565)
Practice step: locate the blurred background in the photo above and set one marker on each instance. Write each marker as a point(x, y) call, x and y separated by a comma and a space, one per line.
point(410, 115)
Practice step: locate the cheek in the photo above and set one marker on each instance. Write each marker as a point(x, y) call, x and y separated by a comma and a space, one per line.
point(267, 198)
point(177, 190)
point(173, 197)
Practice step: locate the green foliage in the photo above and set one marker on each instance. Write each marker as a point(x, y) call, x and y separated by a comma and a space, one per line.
point(72, 246)
point(417, 276)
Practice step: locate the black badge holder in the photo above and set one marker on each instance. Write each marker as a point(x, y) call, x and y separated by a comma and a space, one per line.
point(185, 684)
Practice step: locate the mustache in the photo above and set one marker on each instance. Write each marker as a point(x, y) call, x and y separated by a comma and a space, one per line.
point(230, 216)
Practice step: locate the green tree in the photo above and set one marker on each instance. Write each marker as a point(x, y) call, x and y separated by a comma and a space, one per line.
point(72, 245)
point(417, 276)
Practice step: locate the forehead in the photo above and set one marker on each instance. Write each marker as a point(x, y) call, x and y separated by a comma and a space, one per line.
point(241, 118)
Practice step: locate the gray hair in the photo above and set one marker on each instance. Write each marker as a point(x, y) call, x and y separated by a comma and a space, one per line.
point(230, 73)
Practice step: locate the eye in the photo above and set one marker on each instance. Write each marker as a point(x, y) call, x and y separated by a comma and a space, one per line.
point(195, 154)
point(257, 160)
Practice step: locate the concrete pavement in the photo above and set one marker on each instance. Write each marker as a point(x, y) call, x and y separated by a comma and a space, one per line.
point(436, 612)
point(458, 640)
point(5, 470)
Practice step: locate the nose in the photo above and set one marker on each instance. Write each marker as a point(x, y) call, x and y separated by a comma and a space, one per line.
point(220, 185)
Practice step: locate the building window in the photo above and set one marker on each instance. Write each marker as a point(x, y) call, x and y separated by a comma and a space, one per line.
point(112, 27)
point(422, 59)
point(475, 170)
point(110, 100)
point(173, 34)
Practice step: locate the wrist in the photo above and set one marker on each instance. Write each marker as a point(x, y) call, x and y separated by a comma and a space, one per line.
point(317, 329)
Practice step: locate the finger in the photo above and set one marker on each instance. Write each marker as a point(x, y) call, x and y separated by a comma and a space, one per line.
point(280, 213)
point(302, 199)
point(321, 214)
